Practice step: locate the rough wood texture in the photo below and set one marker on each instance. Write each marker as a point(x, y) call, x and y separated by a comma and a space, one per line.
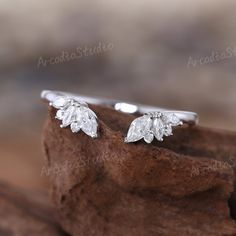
point(107, 187)
point(26, 214)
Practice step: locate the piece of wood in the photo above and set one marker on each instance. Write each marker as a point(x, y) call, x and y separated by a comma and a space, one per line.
point(26, 214)
point(107, 187)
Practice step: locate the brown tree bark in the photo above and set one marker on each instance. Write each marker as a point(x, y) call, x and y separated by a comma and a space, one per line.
point(26, 214)
point(104, 186)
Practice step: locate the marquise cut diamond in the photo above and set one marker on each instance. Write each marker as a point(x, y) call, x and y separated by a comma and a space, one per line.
point(158, 128)
point(90, 127)
point(150, 125)
point(68, 116)
point(138, 129)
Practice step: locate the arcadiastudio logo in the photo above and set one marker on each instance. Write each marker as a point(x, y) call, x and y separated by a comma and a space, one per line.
point(214, 57)
point(78, 53)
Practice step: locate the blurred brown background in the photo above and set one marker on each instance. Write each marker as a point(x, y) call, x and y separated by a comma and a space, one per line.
point(179, 54)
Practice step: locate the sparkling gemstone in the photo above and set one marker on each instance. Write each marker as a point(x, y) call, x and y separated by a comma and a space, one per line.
point(68, 116)
point(60, 102)
point(139, 128)
point(168, 130)
point(148, 137)
point(173, 119)
point(89, 126)
point(79, 115)
point(87, 120)
point(85, 115)
point(158, 129)
point(59, 114)
point(75, 127)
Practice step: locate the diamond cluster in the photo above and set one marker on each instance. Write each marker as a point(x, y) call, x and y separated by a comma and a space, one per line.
point(77, 115)
point(150, 125)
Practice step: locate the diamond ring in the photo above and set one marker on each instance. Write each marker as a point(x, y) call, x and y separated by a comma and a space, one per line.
point(154, 122)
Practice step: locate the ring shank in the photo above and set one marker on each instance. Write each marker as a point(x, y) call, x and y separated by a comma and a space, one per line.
point(131, 108)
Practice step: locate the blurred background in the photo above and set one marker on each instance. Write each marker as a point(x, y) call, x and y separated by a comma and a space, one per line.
point(175, 53)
